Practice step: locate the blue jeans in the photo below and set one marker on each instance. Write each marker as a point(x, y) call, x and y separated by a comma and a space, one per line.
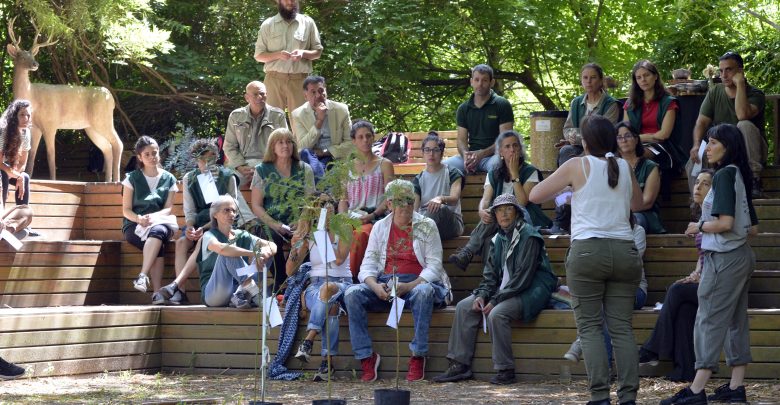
point(318, 164)
point(224, 281)
point(483, 166)
point(318, 310)
point(360, 299)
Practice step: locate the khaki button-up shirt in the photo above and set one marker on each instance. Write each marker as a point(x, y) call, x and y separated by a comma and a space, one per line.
point(246, 137)
point(276, 34)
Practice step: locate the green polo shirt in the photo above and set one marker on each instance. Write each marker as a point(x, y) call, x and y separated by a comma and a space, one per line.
point(482, 123)
point(720, 108)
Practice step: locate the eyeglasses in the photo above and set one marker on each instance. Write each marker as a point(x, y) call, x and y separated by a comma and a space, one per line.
point(402, 202)
point(229, 210)
point(624, 137)
point(431, 150)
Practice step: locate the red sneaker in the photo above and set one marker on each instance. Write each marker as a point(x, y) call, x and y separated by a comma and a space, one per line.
point(416, 368)
point(369, 366)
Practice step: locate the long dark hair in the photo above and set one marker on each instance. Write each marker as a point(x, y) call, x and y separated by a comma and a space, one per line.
point(736, 152)
point(501, 169)
point(9, 124)
point(600, 136)
point(636, 96)
point(640, 149)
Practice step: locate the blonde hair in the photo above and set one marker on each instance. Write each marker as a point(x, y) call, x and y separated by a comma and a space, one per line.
point(278, 135)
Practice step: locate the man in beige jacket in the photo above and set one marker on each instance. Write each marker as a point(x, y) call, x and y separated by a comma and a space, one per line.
point(321, 127)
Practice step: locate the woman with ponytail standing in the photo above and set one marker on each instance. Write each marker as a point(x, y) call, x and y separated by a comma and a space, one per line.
point(603, 266)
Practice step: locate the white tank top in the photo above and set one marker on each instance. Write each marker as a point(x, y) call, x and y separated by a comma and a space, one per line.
point(318, 263)
point(599, 211)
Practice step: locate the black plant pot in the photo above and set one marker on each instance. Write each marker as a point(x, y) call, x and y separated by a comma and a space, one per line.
point(329, 402)
point(389, 396)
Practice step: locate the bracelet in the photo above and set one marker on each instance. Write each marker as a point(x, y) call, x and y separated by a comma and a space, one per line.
point(701, 226)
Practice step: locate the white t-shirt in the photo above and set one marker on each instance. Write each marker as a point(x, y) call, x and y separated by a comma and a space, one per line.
point(151, 181)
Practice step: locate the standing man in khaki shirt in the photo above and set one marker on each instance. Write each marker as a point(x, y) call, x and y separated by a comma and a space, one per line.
point(248, 129)
point(286, 44)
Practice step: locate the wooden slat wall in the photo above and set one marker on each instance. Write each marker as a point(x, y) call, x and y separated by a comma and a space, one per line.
point(199, 340)
point(47, 274)
point(81, 340)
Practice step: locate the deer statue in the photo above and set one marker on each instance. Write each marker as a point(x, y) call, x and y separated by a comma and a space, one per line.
point(64, 107)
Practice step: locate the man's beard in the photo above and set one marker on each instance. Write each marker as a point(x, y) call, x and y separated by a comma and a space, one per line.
point(288, 15)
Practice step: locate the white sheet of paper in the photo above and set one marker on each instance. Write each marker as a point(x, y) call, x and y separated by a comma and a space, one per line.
point(323, 219)
point(658, 306)
point(654, 150)
point(484, 323)
point(398, 304)
point(394, 282)
point(543, 125)
point(324, 247)
point(562, 198)
point(247, 270)
point(271, 308)
point(208, 187)
point(11, 239)
point(697, 166)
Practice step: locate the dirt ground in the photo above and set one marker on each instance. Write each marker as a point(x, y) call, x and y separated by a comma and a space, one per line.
point(131, 388)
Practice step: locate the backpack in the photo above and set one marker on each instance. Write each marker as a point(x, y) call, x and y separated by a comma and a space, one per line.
point(395, 147)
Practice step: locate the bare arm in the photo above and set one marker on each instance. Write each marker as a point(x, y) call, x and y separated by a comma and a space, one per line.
point(298, 248)
point(484, 203)
point(259, 210)
point(744, 109)
point(463, 141)
point(702, 123)
point(555, 183)
point(388, 174)
point(652, 187)
point(127, 204)
point(666, 129)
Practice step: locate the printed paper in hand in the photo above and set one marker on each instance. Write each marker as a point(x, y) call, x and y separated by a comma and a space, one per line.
point(248, 270)
point(323, 219)
point(324, 247)
point(393, 283)
point(11, 239)
point(697, 166)
point(271, 308)
point(562, 198)
point(208, 187)
point(398, 304)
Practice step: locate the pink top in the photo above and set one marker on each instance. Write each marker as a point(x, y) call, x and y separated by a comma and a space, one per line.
point(367, 190)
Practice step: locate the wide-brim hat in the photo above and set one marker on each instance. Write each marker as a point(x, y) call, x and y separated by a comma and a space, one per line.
point(505, 199)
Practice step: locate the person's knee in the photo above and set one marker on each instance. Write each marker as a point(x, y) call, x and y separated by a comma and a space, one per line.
point(423, 291)
point(328, 290)
point(747, 127)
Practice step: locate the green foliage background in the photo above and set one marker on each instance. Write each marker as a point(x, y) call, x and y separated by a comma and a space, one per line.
point(403, 64)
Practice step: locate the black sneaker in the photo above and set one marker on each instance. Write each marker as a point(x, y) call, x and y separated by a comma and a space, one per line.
point(169, 290)
point(462, 258)
point(758, 191)
point(504, 377)
point(304, 351)
point(179, 298)
point(323, 373)
point(686, 397)
point(725, 394)
point(240, 300)
point(647, 357)
point(9, 371)
point(455, 372)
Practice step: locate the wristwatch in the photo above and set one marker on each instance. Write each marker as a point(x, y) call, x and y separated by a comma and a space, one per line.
point(701, 226)
point(517, 180)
